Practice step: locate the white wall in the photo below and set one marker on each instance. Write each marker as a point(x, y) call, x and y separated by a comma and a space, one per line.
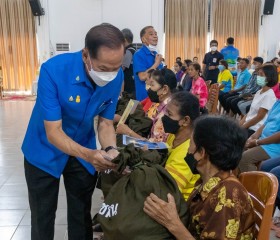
point(269, 34)
point(67, 21)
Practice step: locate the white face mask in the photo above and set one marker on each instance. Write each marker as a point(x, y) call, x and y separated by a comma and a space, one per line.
point(102, 78)
point(213, 49)
point(152, 48)
point(253, 66)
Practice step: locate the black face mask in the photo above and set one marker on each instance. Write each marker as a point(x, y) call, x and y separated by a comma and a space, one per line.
point(183, 68)
point(170, 125)
point(190, 160)
point(153, 96)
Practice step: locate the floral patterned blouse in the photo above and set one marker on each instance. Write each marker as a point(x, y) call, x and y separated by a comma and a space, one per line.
point(221, 209)
point(157, 131)
point(151, 112)
point(199, 88)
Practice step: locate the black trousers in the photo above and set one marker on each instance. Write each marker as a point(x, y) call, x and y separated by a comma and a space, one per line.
point(43, 196)
point(234, 104)
point(223, 97)
point(250, 132)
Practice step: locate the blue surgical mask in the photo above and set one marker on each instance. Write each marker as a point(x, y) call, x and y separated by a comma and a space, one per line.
point(213, 49)
point(261, 81)
point(253, 66)
point(221, 67)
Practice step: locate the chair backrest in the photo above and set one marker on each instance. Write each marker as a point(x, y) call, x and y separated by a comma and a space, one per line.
point(213, 96)
point(1, 83)
point(262, 188)
point(208, 84)
point(234, 80)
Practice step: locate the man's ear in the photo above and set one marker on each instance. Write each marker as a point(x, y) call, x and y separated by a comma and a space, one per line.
point(85, 54)
point(143, 39)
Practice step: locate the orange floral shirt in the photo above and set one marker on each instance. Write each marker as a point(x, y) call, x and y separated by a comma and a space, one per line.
point(221, 209)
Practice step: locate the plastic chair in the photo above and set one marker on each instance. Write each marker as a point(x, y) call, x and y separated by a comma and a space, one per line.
point(234, 80)
point(213, 98)
point(262, 188)
point(208, 84)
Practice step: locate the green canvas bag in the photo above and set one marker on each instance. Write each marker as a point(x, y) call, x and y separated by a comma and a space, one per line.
point(121, 215)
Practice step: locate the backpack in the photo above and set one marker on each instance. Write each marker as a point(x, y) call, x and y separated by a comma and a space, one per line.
point(129, 83)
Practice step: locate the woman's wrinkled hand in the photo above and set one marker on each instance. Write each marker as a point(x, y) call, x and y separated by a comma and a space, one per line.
point(165, 213)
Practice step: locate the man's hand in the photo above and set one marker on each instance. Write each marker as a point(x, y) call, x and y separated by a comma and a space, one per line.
point(100, 160)
point(251, 143)
point(158, 59)
point(248, 98)
point(113, 153)
point(212, 67)
point(123, 129)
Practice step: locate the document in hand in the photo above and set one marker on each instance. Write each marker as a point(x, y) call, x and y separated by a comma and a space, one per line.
point(130, 108)
point(141, 143)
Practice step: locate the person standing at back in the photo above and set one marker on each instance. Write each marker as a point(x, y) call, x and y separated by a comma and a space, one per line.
point(144, 59)
point(231, 54)
point(211, 62)
point(73, 89)
point(127, 65)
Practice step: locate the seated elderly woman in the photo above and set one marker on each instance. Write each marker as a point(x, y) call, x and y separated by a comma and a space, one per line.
point(220, 207)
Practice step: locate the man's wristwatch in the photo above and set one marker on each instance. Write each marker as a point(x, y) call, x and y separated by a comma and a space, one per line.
point(107, 149)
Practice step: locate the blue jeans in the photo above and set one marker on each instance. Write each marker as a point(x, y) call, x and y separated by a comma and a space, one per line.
point(273, 166)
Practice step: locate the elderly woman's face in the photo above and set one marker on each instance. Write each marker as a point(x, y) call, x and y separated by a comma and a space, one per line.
point(198, 156)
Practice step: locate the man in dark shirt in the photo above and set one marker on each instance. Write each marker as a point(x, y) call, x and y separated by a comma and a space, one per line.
point(211, 62)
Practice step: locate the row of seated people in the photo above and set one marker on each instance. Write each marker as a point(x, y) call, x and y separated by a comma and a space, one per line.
point(256, 99)
point(216, 143)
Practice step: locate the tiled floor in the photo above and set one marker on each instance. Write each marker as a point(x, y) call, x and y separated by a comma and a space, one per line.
point(14, 208)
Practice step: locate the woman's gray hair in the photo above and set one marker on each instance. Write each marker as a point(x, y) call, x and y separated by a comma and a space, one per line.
point(128, 35)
